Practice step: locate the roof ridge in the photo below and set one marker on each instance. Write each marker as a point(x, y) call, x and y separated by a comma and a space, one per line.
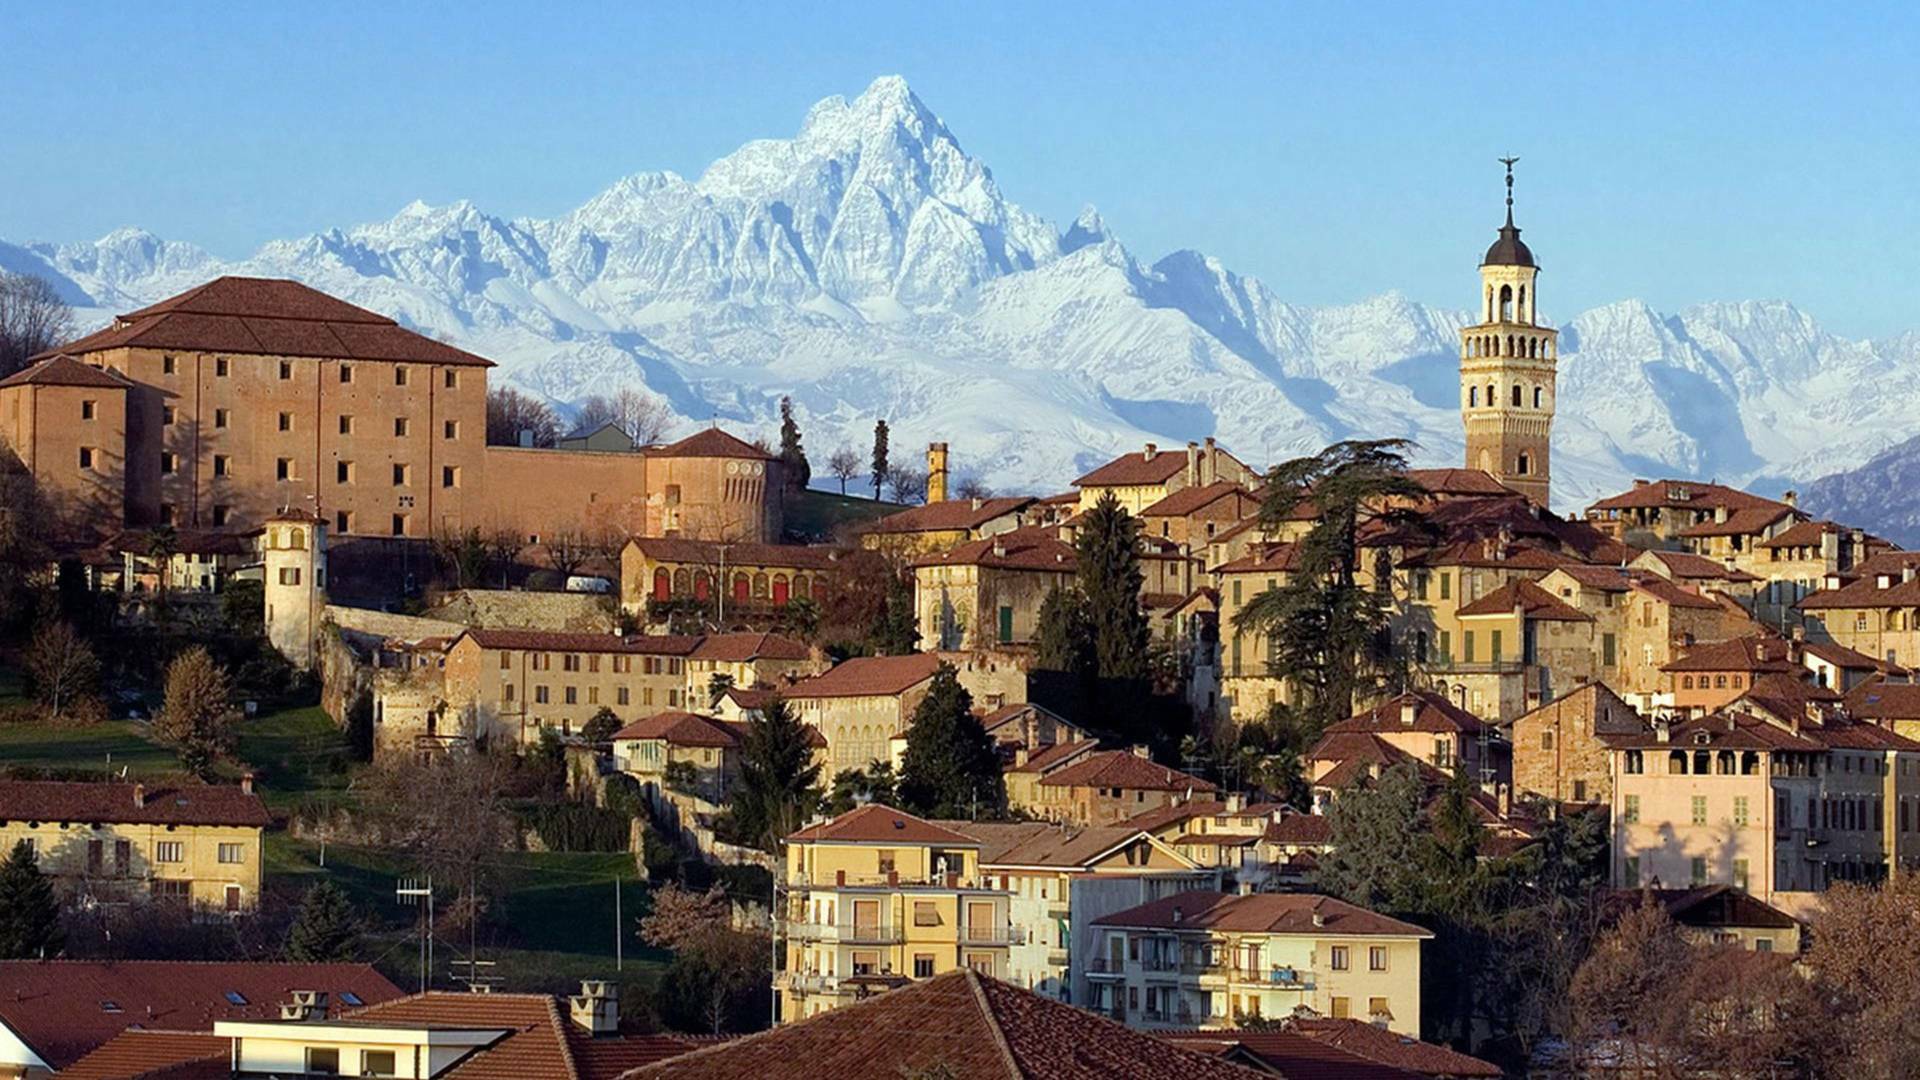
point(559, 1031)
point(1000, 1044)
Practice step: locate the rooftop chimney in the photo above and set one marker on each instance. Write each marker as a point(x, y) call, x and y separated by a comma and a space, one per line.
point(1193, 464)
point(999, 547)
point(1409, 710)
point(1209, 462)
point(596, 1008)
point(1790, 497)
point(246, 782)
point(1150, 452)
point(936, 472)
point(307, 1007)
point(1800, 632)
point(139, 794)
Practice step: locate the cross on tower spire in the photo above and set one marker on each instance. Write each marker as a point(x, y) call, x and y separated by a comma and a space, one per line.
point(1508, 162)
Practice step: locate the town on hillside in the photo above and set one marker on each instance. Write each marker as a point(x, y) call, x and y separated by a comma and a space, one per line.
point(362, 716)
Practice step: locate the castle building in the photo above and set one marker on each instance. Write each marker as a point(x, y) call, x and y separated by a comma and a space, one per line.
point(1507, 367)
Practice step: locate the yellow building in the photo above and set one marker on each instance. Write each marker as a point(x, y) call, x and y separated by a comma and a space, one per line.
point(989, 592)
point(508, 684)
point(943, 525)
point(115, 842)
point(1208, 959)
point(1874, 610)
point(705, 750)
point(876, 899)
point(723, 581)
point(1247, 687)
point(1140, 480)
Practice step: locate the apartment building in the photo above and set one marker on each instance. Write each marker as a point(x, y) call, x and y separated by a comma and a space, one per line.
point(509, 684)
point(988, 593)
point(1142, 479)
point(876, 899)
point(1875, 609)
point(1208, 959)
point(1110, 786)
point(111, 842)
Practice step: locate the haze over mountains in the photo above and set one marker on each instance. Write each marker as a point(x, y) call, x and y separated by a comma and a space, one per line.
point(871, 268)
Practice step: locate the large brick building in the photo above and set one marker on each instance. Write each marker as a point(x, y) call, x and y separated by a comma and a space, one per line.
point(246, 396)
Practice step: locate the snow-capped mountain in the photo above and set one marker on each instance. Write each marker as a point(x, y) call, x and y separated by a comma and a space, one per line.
point(869, 267)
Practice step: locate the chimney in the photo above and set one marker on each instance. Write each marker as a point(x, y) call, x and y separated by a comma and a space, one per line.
point(999, 548)
point(1662, 730)
point(1409, 710)
point(1790, 497)
point(1318, 918)
point(1800, 632)
point(1505, 794)
point(307, 1007)
point(246, 782)
point(139, 794)
point(526, 438)
point(1150, 453)
point(976, 502)
point(1177, 914)
point(1020, 756)
point(936, 472)
point(1209, 461)
point(1140, 751)
point(1193, 464)
point(596, 1008)
point(1906, 573)
point(1720, 514)
point(1236, 802)
point(1639, 483)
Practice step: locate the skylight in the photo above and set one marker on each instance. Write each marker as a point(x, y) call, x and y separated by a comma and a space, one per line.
point(235, 997)
point(350, 998)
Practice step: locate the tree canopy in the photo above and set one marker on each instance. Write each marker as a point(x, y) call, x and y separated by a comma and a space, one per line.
point(779, 781)
point(950, 767)
point(29, 911)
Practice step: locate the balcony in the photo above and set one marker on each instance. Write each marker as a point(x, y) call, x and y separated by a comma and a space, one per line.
point(885, 882)
point(1105, 967)
point(1274, 978)
point(810, 983)
point(848, 933)
point(992, 935)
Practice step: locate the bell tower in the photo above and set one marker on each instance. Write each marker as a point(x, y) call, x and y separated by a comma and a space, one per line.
point(1507, 367)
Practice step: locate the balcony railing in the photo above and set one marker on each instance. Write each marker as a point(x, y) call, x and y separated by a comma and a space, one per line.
point(810, 983)
point(887, 881)
point(992, 935)
point(1106, 965)
point(1283, 978)
point(855, 933)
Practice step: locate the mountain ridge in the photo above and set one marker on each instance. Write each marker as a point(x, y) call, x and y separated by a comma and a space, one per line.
point(869, 267)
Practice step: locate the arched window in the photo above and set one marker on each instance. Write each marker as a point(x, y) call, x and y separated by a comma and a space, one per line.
point(1533, 348)
point(702, 585)
point(760, 586)
point(1489, 303)
point(662, 584)
point(682, 582)
point(1516, 395)
point(1493, 398)
point(780, 587)
point(742, 588)
point(1524, 465)
point(299, 538)
point(1539, 396)
point(1523, 303)
point(1676, 763)
point(1506, 303)
point(1510, 351)
point(800, 586)
point(1473, 396)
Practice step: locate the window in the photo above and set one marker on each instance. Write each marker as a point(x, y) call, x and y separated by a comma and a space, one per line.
point(1631, 812)
point(399, 375)
point(922, 965)
point(222, 417)
point(377, 1062)
point(343, 522)
point(1630, 874)
point(400, 427)
point(221, 514)
point(168, 415)
point(1698, 870)
point(230, 853)
point(167, 365)
point(222, 465)
point(166, 513)
point(926, 913)
point(1340, 958)
point(1608, 651)
point(452, 428)
point(1376, 958)
point(87, 409)
point(1377, 1008)
point(286, 370)
point(167, 851)
point(399, 524)
point(1699, 809)
point(286, 421)
point(573, 695)
point(323, 1060)
point(1579, 791)
point(620, 696)
point(1546, 739)
point(453, 379)
point(346, 425)
point(1342, 1010)
point(1493, 651)
point(289, 575)
point(1740, 874)
point(343, 472)
point(86, 457)
point(449, 476)
point(1740, 810)
point(169, 464)
point(346, 373)
point(540, 695)
point(283, 469)
point(399, 476)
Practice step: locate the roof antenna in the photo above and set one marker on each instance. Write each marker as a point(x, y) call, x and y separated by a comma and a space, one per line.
point(1509, 162)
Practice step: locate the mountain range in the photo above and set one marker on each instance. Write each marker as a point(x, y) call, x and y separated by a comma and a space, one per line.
point(870, 268)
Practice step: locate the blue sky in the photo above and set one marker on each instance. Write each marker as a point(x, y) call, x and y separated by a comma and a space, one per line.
point(1672, 153)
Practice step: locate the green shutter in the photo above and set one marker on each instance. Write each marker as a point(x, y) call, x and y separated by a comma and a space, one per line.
point(1466, 646)
point(1494, 655)
point(1006, 624)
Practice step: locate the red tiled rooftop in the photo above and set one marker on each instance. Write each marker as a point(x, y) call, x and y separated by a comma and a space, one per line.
point(1682, 494)
point(1023, 549)
point(1193, 498)
point(1755, 653)
point(1275, 913)
point(1431, 713)
point(710, 443)
point(64, 370)
point(948, 515)
point(1136, 469)
point(868, 676)
point(1743, 522)
point(562, 641)
point(156, 803)
point(875, 823)
point(1527, 597)
point(1686, 566)
point(156, 1055)
point(1389, 1048)
point(710, 553)
point(542, 1041)
point(1126, 770)
point(739, 648)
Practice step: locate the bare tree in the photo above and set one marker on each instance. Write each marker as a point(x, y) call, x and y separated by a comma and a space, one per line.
point(972, 487)
point(33, 319)
point(567, 549)
point(509, 412)
point(907, 485)
point(844, 465)
point(64, 669)
point(642, 418)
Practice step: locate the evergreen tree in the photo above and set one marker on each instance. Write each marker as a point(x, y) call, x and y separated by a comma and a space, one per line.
point(1375, 833)
point(29, 912)
point(881, 468)
point(1110, 579)
point(1328, 629)
point(896, 632)
point(600, 727)
point(327, 930)
point(873, 784)
point(1064, 636)
point(779, 780)
point(950, 767)
point(793, 459)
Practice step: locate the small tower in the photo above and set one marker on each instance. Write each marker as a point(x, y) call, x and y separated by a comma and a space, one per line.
point(294, 555)
point(1507, 369)
point(936, 473)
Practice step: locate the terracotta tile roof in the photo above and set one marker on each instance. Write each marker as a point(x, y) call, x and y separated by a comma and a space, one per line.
point(1524, 595)
point(1431, 712)
point(156, 1055)
point(1126, 770)
point(1604, 578)
point(1755, 653)
point(542, 1040)
point(680, 729)
point(270, 317)
point(1136, 469)
point(1686, 566)
point(868, 676)
point(1388, 1048)
point(1056, 756)
point(751, 698)
point(558, 641)
point(878, 824)
point(1705, 906)
point(1729, 730)
point(673, 549)
point(1668, 592)
point(1023, 549)
point(1743, 522)
point(1190, 499)
point(158, 803)
point(739, 648)
point(59, 1007)
point(1842, 657)
point(711, 443)
point(1297, 828)
point(1043, 843)
point(64, 370)
point(950, 515)
point(967, 1026)
point(1273, 913)
point(1286, 1054)
point(1812, 533)
point(1883, 701)
point(1461, 482)
point(1610, 712)
point(1866, 590)
point(1682, 494)
point(1267, 559)
point(1361, 746)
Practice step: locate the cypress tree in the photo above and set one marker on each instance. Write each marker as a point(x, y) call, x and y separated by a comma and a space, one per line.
point(880, 466)
point(779, 780)
point(793, 459)
point(895, 632)
point(29, 911)
point(1110, 579)
point(950, 767)
point(327, 930)
point(1064, 636)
